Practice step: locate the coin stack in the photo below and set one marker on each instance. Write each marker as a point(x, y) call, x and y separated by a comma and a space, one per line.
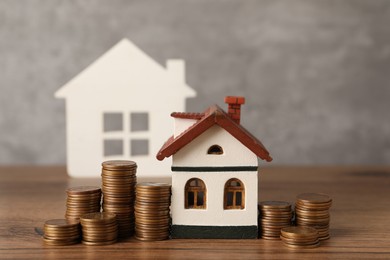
point(99, 228)
point(274, 215)
point(118, 186)
point(61, 232)
point(300, 237)
point(312, 209)
point(82, 200)
point(152, 211)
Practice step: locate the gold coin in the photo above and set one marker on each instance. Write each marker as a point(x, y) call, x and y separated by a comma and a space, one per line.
point(275, 205)
point(50, 242)
point(314, 198)
point(102, 243)
point(299, 232)
point(83, 190)
point(301, 246)
point(61, 223)
point(119, 165)
point(151, 238)
point(100, 217)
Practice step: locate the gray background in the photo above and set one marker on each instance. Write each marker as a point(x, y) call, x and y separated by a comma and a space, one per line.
point(316, 74)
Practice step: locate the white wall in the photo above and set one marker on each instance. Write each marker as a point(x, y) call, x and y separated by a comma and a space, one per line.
point(195, 154)
point(214, 214)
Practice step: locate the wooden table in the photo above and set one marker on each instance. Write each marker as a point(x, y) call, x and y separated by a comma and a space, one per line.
point(360, 217)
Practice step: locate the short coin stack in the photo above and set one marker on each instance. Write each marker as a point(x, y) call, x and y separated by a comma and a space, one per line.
point(99, 228)
point(312, 210)
point(300, 237)
point(118, 186)
point(274, 215)
point(152, 211)
point(61, 232)
point(82, 200)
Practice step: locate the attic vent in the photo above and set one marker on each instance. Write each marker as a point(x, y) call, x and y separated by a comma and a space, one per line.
point(215, 149)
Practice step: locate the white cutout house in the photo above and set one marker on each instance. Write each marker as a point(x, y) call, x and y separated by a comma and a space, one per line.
point(214, 174)
point(116, 109)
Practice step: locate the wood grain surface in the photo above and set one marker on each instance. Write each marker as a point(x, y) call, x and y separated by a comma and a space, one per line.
point(360, 217)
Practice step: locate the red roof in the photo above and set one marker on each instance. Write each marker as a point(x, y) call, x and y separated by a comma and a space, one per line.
point(214, 115)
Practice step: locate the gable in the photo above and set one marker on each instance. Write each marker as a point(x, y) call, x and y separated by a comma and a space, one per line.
point(195, 154)
point(125, 69)
point(214, 116)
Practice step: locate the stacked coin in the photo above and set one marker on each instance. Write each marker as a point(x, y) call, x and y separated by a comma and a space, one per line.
point(118, 186)
point(300, 237)
point(152, 211)
point(82, 200)
point(61, 232)
point(99, 228)
point(274, 215)
point(312, 209)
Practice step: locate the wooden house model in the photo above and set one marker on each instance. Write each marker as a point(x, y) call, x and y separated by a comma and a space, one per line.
point(214, 174)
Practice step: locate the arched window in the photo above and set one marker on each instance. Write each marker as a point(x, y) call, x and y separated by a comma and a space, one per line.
point(234, 197)
point(215, 149)
point(195, 194)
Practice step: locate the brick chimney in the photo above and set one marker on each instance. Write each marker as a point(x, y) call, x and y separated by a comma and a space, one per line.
point(234, 109)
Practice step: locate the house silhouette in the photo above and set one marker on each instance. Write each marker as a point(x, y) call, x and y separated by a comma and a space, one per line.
point(117, 107)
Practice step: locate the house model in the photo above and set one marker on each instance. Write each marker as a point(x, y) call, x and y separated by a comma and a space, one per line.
point(214, 174)
point(115, 109)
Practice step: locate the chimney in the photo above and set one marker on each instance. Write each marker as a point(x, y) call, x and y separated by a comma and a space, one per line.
point(177, 69)
point(234, 109)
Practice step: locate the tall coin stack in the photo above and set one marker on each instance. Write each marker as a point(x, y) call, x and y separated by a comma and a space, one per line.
point(274, 215)
point(118, 186)
point(312, 210)
point(82, 200)
point(152, 211)
point(61, 232)
point(300, 237)
point(100, 228)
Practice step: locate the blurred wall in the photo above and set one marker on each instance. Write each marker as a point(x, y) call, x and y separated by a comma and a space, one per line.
point(316, 74)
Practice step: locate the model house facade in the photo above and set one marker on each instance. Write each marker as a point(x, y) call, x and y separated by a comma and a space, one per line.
point(116, 109)
point(214, 174)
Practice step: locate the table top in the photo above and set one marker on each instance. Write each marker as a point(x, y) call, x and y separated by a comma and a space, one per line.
point(360, 217)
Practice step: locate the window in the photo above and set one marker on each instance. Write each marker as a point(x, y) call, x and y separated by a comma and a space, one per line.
point(112, 122)
point(125, 136)
point(234, 197)
point(113, 147)
point(215, 149)
point(139, 147)
point(195, 194)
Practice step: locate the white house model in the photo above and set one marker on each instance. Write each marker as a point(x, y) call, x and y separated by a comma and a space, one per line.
point(214, 174)
point(116, 109)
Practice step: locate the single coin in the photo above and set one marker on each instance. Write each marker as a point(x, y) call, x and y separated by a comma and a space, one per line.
point(314, 198)
point(98, 217)
point(55, 242)
point(83, 190)
point(102, 243)
point(274, 205)
point(119, 165)
point(301, 246)
point(299, 232)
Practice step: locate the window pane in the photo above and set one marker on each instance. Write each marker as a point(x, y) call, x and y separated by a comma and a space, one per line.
point(190, 199)
point(229, 199)
point(238, 198)
point(139, 147)
point(200, 198)
point(235, 184)
point(215, 149)
point(113, 147)
point(139, 122)
point(112, 122)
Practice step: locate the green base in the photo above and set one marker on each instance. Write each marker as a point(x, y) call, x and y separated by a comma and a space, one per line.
point(214, 232)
